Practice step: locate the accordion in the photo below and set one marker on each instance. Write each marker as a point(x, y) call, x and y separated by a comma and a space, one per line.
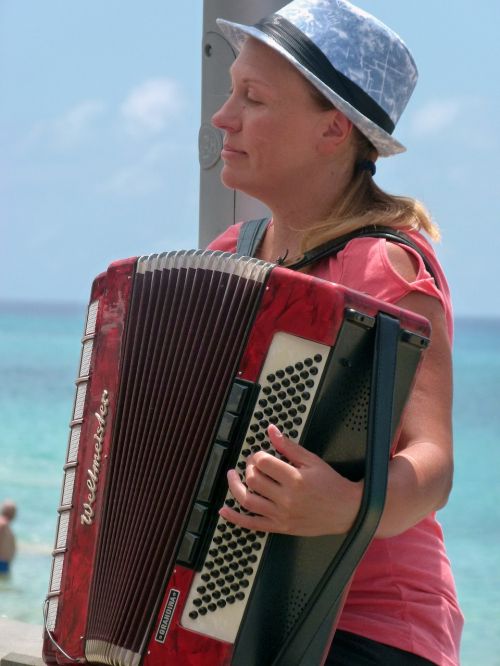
point(186, 359)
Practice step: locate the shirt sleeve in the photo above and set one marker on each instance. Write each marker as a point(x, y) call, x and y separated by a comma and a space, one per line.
point(366, 267)
point(227, 240)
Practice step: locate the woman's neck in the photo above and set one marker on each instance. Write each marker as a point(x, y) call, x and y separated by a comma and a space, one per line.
point(294, 215)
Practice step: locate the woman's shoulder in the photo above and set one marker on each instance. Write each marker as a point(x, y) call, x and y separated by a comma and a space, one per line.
point(227, 240)
point(390, 270)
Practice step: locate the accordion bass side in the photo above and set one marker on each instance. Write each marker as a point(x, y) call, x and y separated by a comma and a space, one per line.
point(186, 359)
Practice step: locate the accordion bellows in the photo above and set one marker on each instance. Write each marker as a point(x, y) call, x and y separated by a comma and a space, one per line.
point(186, 359)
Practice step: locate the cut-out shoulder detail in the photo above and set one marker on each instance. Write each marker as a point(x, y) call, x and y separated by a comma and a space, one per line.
point(403, 261)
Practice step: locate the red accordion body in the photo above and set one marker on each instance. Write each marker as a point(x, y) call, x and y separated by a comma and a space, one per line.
point(186, 358)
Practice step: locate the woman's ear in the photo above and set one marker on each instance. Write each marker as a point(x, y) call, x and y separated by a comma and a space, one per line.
point(335, 130)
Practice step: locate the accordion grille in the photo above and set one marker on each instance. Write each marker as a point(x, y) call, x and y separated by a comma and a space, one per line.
point(187, 325)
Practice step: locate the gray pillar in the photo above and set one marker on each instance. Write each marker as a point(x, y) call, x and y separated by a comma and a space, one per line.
point(220, 207)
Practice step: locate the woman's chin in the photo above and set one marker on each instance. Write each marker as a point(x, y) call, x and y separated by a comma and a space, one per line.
point(231, 180)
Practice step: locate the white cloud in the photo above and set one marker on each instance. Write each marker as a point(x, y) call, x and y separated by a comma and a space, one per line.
point(150, 106)
point(74, 125)
point(435, 116)
point(147, 174)
point(67, 130)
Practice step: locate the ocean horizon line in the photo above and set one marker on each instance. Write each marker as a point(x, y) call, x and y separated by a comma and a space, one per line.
point(47, 307)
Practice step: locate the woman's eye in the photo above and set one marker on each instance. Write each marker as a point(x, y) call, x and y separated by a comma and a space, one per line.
point(254, 100)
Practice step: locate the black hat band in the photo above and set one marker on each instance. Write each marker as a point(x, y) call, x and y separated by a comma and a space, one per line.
point(297, 44)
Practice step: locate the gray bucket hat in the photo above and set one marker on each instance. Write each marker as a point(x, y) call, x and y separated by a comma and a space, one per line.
point(352, 58)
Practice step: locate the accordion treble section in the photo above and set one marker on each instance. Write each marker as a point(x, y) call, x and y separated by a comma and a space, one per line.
point(186, 359)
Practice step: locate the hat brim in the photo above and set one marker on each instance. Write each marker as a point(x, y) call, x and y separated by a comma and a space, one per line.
point(386, 145)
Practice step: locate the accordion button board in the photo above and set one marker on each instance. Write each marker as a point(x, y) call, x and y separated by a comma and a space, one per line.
point(187, 358)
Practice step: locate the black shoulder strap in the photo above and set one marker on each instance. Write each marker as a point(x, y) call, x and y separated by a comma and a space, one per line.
point(251, 233)
point(334, 246)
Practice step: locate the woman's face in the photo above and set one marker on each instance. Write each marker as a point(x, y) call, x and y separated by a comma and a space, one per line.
point(271, 125)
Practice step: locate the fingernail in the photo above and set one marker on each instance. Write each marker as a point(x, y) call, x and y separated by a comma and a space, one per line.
point(276, 431)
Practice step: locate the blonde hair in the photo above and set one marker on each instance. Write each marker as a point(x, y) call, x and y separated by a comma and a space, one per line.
point(363, 203)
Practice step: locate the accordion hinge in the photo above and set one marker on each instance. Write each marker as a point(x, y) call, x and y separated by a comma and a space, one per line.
point(51, 637)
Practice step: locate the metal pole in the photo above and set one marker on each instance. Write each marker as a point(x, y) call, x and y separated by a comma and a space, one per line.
point(220, 207)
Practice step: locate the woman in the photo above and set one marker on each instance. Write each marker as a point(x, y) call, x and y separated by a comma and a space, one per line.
point(316, 91)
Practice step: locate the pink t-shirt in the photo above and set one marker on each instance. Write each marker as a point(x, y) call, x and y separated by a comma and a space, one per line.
point(403, 592)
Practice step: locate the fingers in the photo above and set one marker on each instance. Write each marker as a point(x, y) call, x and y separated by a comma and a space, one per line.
point(292, 451)
point(245, 497)
point(257, 505)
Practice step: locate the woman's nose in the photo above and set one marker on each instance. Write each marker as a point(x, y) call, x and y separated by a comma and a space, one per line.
point(226, 118)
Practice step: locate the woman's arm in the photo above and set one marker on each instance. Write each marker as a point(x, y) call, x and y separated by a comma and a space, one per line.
point(421, 472)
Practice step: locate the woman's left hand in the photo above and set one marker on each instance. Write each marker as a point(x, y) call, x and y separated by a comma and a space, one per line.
point(301, 495)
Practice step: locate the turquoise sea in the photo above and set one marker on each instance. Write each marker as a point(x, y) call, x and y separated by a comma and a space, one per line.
point(39, 352)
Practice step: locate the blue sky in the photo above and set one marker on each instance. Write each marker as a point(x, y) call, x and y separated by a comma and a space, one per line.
point(99, 115)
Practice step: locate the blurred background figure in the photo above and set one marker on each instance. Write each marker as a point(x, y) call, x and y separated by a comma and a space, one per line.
point(7, 539)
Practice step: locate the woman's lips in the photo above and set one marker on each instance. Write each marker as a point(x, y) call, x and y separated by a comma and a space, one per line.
point(229, 151)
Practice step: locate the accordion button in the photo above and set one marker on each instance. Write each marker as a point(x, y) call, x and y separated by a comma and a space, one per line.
point(237, 398)
point(221, 603)
point(197, 518)
point(227, 428)
point(240, 596)
point(230, 599)
point(193, 615)
point(212, 473)
point(187, 550)
point(212, 607)
point(201, 590)
point(202, 610)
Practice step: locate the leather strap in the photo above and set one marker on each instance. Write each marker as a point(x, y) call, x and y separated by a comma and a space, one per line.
point(252, 232)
